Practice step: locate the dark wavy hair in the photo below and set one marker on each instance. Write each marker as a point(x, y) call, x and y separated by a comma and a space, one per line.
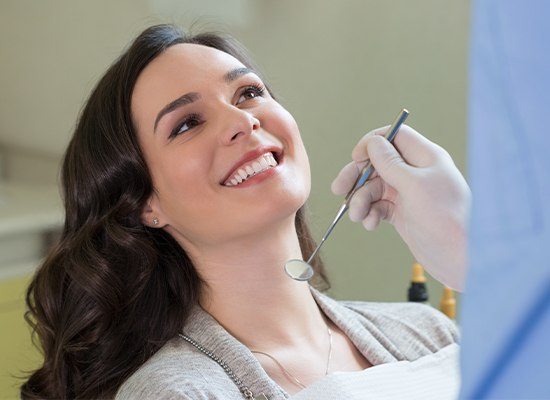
point(112, 291)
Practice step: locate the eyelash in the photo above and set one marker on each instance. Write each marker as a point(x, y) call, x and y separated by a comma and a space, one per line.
point(258, 89)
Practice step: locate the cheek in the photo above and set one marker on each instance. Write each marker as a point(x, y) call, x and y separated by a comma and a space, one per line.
point(182, 180)
point(285, 124)
point(282, 121)
point(290, 127)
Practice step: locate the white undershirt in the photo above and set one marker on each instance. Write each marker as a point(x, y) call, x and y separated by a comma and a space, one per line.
point(435, 376)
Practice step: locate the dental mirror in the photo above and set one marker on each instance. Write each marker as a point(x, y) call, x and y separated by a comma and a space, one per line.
point(298, 270)
point(301, 270)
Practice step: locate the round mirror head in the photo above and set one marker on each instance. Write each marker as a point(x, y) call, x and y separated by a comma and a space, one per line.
point(298, 270)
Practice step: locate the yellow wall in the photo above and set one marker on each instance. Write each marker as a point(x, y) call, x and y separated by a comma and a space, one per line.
point(15, 347)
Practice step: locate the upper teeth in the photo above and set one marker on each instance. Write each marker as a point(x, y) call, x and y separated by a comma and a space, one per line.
point(260, 164)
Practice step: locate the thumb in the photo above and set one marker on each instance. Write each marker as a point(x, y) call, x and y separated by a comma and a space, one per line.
point(387, 161)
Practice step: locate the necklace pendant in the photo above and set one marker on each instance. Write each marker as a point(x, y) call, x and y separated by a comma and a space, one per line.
point(261, 396)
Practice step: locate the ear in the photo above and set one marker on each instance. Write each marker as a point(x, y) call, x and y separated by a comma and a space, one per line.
point(151, 211)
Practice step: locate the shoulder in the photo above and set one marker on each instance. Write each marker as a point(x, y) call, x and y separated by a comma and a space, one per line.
point(413, 327)
point(177, 371)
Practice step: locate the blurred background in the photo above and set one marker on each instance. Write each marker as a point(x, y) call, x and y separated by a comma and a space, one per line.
point(341, 68)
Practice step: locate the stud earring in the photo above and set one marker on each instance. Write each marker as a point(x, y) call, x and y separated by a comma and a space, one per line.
point(155, 221)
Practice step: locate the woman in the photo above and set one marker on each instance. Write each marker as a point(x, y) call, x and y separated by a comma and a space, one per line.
point(168, 279)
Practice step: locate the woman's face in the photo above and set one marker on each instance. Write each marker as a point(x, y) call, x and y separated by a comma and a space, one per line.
point(197, 112)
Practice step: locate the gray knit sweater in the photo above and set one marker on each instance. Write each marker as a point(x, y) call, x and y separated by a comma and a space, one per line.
point(382, 332)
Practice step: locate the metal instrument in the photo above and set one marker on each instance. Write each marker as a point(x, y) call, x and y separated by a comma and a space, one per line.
point(301, 270)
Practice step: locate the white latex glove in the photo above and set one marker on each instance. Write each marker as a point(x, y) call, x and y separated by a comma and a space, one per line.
point(418, 189)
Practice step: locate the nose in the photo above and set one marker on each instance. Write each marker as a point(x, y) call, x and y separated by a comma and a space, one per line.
point(241, 123)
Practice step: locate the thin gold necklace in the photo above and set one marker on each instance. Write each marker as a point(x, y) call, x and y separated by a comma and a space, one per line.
point(288, 374)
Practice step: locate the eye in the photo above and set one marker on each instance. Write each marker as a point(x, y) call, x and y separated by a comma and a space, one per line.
point(255, 90)
point(188, 123)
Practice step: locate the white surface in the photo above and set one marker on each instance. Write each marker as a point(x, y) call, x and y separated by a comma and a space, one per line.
point(26, 214)
point(435, 376)
point(26, 208)
point(15, 270)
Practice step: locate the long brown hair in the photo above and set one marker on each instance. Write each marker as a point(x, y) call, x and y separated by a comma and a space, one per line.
point(112, 291)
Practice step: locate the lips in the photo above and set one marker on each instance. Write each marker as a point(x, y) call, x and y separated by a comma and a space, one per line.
point(251, 155)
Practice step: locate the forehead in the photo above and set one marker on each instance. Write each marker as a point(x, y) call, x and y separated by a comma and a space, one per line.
point(189, 62)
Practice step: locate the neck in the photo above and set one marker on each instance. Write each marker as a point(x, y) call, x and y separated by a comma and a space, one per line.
point(251, 296)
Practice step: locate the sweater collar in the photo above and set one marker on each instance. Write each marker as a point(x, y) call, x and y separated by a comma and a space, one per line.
point(203, 328)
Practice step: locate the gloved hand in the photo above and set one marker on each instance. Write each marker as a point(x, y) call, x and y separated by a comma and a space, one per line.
point(418, 189)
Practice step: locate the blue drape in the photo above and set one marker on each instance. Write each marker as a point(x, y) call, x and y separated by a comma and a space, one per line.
point(505, 315)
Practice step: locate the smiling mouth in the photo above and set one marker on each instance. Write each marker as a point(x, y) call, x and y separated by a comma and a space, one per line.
point(263, 163)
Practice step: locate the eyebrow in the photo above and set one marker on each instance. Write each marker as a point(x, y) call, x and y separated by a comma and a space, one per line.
point(191, 97)
point(235, 73)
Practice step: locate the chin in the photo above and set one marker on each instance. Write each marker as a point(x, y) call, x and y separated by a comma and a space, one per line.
point(270, 213)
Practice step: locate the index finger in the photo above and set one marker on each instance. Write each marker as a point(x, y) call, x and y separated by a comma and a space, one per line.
point(414, 148)
point(347, 176)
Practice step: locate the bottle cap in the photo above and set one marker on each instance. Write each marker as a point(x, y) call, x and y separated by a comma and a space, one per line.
point(418, 274)
point(448, 303)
